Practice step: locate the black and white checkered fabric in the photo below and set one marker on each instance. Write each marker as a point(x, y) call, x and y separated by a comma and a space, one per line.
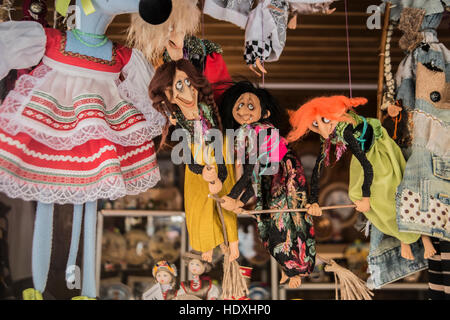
point(257, 49)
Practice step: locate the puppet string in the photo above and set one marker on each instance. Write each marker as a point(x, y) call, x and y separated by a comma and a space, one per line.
point(348, 51)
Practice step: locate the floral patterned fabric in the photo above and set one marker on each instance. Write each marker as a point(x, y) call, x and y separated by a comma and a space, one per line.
point(288, 236)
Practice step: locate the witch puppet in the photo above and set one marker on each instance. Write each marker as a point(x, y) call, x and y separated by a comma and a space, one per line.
point(376, 168)
point(174, 40)
point(79, 127)
point(165, 275)
point(276, 174)
point(180, 92)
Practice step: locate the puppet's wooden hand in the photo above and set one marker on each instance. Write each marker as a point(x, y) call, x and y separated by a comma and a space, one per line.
point(239, 207)
point(314, 209)
point(209, 173)
point(229, 203)
point(363, 205)
point(215, 186)
point(393, 110)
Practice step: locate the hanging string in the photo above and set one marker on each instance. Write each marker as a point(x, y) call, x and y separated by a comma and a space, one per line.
point(263, 44)
point(348, 51)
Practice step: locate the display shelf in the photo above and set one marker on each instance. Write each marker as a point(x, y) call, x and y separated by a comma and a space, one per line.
point(331, 250)
point(331, 287)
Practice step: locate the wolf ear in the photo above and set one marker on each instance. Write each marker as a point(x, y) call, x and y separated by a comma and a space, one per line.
point(155, 11)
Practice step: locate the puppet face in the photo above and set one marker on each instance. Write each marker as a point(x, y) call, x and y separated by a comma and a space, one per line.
point(196, 267)
point(175, 44)
point(163, 277)
point(323, 126)
point(184, 95)
point(247, 109)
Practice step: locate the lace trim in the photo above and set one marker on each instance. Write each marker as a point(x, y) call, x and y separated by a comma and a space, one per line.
point(11, 117)
point(109, 188)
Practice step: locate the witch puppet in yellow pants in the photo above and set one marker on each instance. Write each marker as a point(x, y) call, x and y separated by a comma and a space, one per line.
point(184, 96)
point(376, 168)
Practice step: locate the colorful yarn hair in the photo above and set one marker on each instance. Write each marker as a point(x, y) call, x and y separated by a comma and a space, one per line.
point(332, 108)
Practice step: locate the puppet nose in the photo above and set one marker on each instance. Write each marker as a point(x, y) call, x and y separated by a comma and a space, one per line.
point(155, 11)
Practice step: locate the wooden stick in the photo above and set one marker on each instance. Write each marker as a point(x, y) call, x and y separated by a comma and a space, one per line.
point(387, 14)
point(212, 196)
point(298, 210)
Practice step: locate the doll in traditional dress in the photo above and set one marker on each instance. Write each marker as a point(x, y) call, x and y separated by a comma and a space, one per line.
point(184, 96)
point(376, 168)
point(174, 40)
point(165, 275)
point(203, 289)
point(79, 127)
point(289, 237)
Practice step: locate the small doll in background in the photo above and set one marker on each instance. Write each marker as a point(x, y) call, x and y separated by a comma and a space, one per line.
point(181, 93)
point(289, 237)
point(203, 289)
point(165, 275)
point(376, 168)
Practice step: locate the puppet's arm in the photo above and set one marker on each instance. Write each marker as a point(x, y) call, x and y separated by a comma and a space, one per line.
point(22, 45)
point(361, 156)
point(313, 199)
point(243, 183)
point(362, 205)
point(138, 74)
point(231, 201)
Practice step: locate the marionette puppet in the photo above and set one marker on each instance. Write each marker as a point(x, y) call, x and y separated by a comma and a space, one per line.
point(165, 275)
point(422, 90)
point(266, 28)
point(289, 237)
point(184, 96)
point(79, 127)
point(202, 289)
point(174, 40)
point(376, 168)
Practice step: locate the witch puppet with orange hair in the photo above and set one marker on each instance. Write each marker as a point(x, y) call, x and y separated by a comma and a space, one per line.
point(376, 168)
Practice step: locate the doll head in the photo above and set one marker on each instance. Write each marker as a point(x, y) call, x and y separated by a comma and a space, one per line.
point(321, 115)
point(195, 264)
point(243, 103)
point(164, 273)
point(178, 86)
point(152, 40)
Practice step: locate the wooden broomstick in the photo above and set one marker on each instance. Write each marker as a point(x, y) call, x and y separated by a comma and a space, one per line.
point(234, 285)
point(218, 200)
point(351, 287)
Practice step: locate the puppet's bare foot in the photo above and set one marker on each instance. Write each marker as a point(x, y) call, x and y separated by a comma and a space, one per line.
point(406, 251)
point(234, 250)
point(293, 23)
point(295, 282)
point(207, 256)
point(284, 277)
point(428, 246)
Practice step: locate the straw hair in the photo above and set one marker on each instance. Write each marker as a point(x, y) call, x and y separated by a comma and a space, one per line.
point(152, 39)
point(332, 108)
